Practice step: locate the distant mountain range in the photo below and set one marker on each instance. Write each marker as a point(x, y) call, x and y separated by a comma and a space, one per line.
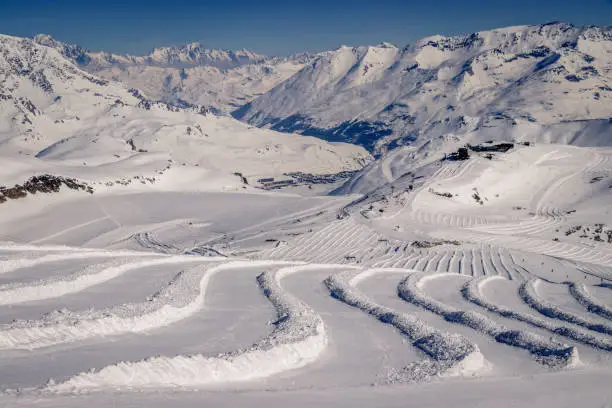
point(180, 57)
point(220, 79)
point(549, 82)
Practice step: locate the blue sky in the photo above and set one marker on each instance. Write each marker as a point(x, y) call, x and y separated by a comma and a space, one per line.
point(278, 27)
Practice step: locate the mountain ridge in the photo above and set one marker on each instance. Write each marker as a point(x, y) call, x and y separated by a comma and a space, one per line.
point(440, 85)
point(53, 113)
point(220, 79)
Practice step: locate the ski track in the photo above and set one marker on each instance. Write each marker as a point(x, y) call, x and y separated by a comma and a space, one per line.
point(542, 350)
point(600, 254)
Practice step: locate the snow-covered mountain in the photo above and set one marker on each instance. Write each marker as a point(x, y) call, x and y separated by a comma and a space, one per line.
point(551, 82)
point(53, 113)
point(177, 56)
point(221, 79)
point(484, 277)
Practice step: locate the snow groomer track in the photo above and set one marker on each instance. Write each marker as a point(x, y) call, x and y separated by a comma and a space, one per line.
point(85, 321)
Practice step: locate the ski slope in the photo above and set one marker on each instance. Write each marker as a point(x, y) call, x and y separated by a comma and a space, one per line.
point(168, 276)
point(199, 299)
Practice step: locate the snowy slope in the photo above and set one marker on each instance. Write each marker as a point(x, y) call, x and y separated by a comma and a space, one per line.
point(547, 83)
point(477, 282)
point(221, 79)
point(61, 115)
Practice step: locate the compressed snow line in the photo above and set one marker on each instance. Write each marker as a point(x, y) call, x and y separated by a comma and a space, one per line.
point(472, 291)
point(528, 292)
point(55, 287)
point(580, 292)
point(544, 351)
point(298, 339)
point(448, 354)
point(182, 297)
point(11, 265)
point(13, 246)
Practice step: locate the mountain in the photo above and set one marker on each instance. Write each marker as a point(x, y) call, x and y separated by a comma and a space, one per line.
point(54, 115)
point(175, 56)
point(551, 82)
point(221, 79)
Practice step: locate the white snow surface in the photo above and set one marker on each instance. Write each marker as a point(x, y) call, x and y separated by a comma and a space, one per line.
point(483, 282)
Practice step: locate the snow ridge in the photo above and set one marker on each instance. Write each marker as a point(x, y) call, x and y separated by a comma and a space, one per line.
point(298, 338)
point(528, 292)
point(447, 354)
point(83, 279)
point(545, 352)
point(580, 292)
point(472, 292)
point(182, 297)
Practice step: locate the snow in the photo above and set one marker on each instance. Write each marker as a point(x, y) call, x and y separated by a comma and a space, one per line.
point(547, 83)
point(222, 79)
point(483, 282)
point(73, 120)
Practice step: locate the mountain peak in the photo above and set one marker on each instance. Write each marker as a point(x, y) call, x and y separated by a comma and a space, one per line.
point(385, 44)
point(45, 39)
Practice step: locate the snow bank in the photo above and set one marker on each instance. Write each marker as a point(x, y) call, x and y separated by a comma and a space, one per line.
point(11, 265)
point(472, 291)
point(448, 354)
point(580, 292)
point(90, 276)
point(298, 339)
point(182, 297)
point(11, 246)
point(544, 351)
point(528, 292)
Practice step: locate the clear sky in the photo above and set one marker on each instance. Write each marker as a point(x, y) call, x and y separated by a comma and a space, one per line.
point(278, 27)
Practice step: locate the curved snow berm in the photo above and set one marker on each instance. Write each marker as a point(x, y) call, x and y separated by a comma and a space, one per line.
point(89, 276)
point(528, 292)
point(182, 297)
point(17, 247)
point(448, 354)
point(298, 339)
point(472, 292)
point(580, 292)
point(11, 265)
point(546, 352)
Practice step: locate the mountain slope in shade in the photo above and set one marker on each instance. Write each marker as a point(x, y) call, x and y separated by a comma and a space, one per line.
point(221, 79)
point(528, 82)
point(55, 112)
